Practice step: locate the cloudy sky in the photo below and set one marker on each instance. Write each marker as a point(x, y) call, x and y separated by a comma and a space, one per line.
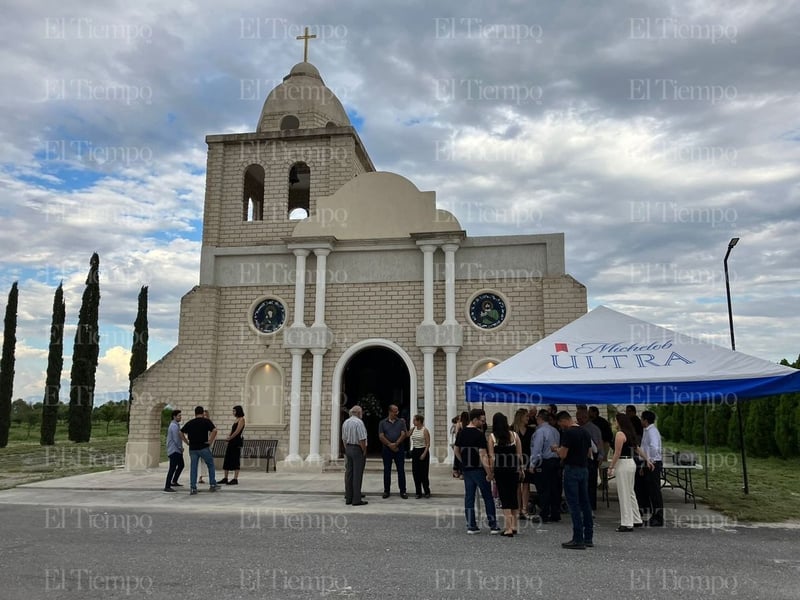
point(649, 132)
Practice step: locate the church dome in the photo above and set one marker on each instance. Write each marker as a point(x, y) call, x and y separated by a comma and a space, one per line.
point(302, 101)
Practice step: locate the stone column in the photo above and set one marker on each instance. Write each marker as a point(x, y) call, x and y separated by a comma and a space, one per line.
point(294, 415)
point(336, 426)
point(319, 294)
point(316, 406)
point(450, 322)
point(428, 391)
point(427, 288)
point(449, 283)
point(450, 375)
point(426, 333)
point(299, 287)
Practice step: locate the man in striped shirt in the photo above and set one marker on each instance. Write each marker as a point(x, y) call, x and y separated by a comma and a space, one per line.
point(354, 436)
point(545, 465)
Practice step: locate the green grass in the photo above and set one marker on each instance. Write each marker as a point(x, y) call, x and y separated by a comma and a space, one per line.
point(774, 485)
point(21, 433)
point(25, 461)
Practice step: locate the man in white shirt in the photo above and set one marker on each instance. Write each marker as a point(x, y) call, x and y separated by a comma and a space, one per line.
point(174, 452)
point(651, 446)
point(354, 436)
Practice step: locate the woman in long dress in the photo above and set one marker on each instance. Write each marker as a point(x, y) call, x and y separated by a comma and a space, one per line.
point(525, 433)
point(233, 453)
point(458, 425)
point(505, 456)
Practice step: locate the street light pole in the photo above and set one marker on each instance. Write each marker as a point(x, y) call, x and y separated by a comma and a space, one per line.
point(731, 244)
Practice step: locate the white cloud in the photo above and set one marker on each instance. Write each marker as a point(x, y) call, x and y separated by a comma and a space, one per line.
point(113, 369)
point(106, 108)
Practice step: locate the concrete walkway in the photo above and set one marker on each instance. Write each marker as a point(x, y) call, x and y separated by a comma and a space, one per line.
point(300, 492)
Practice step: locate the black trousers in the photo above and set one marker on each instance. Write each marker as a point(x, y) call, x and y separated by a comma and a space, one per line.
point(651, 483)
point(548, 485)
point(640, 487)
point(420, 467)
point(176, 465)
point(593, 471)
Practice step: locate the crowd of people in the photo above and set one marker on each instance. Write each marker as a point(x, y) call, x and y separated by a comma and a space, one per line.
point(563, 455)
point(397, 441)
point(199, 434)
point(546, 447)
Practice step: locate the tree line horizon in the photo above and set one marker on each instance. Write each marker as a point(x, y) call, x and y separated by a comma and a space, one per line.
point(772, 424)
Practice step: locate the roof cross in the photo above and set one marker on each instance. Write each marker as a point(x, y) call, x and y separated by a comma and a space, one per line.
point(305, 39)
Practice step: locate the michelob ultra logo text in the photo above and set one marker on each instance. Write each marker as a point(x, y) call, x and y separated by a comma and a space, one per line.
point(615, 355)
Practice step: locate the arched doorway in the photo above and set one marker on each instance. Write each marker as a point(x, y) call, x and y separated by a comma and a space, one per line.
point(375, 378)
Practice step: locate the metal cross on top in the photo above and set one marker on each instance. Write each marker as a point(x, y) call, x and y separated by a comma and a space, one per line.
point(305, 39)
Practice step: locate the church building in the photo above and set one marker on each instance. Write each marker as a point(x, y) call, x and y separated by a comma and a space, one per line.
point(325, 283)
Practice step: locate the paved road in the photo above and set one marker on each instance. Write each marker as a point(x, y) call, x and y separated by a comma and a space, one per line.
point(70, 549)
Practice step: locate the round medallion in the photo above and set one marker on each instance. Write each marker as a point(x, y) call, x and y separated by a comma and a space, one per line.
point(487, 310)
point(269, 315)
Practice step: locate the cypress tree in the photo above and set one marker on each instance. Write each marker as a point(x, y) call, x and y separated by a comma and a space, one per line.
point(718, 422)
point(785, 425)
point(787, 419)
point(733, 424)
point(665, 419)
point(55, 364)
point(699, 412)
point(672, 423)
point(7, 363)
point(139, 346)
point(689, 413)
point(84, 358)
point(759, 429)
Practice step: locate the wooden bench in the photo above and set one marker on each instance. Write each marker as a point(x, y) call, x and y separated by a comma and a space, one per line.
point(259, 449)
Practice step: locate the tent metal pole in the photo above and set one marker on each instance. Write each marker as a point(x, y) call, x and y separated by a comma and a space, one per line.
point(705, 440)
point(745, 486)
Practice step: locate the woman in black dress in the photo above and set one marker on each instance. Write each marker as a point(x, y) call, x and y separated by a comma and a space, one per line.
point(525, 433)
point(458, 424)
point(233, 452)
point(505, 454)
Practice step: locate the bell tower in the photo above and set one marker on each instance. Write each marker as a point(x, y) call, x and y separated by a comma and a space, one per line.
point(260, 185)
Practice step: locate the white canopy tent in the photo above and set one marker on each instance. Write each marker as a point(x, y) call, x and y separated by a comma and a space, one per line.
point(606, 357)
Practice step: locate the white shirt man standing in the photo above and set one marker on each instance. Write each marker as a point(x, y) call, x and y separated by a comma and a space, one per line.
point(354, 437)
point(174, 452)
point(651, 446)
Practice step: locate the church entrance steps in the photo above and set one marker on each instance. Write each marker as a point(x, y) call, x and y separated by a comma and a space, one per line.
point(374, 465)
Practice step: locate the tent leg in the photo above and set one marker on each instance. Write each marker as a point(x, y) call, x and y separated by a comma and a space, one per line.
point(705, 440)
point(746, 487)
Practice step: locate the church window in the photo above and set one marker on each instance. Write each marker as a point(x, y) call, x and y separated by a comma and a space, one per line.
point(331, 125)
point(299, 191)
point(290, 122)
point(253, 194)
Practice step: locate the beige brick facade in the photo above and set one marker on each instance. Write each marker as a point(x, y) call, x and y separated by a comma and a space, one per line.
point(374, 290)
